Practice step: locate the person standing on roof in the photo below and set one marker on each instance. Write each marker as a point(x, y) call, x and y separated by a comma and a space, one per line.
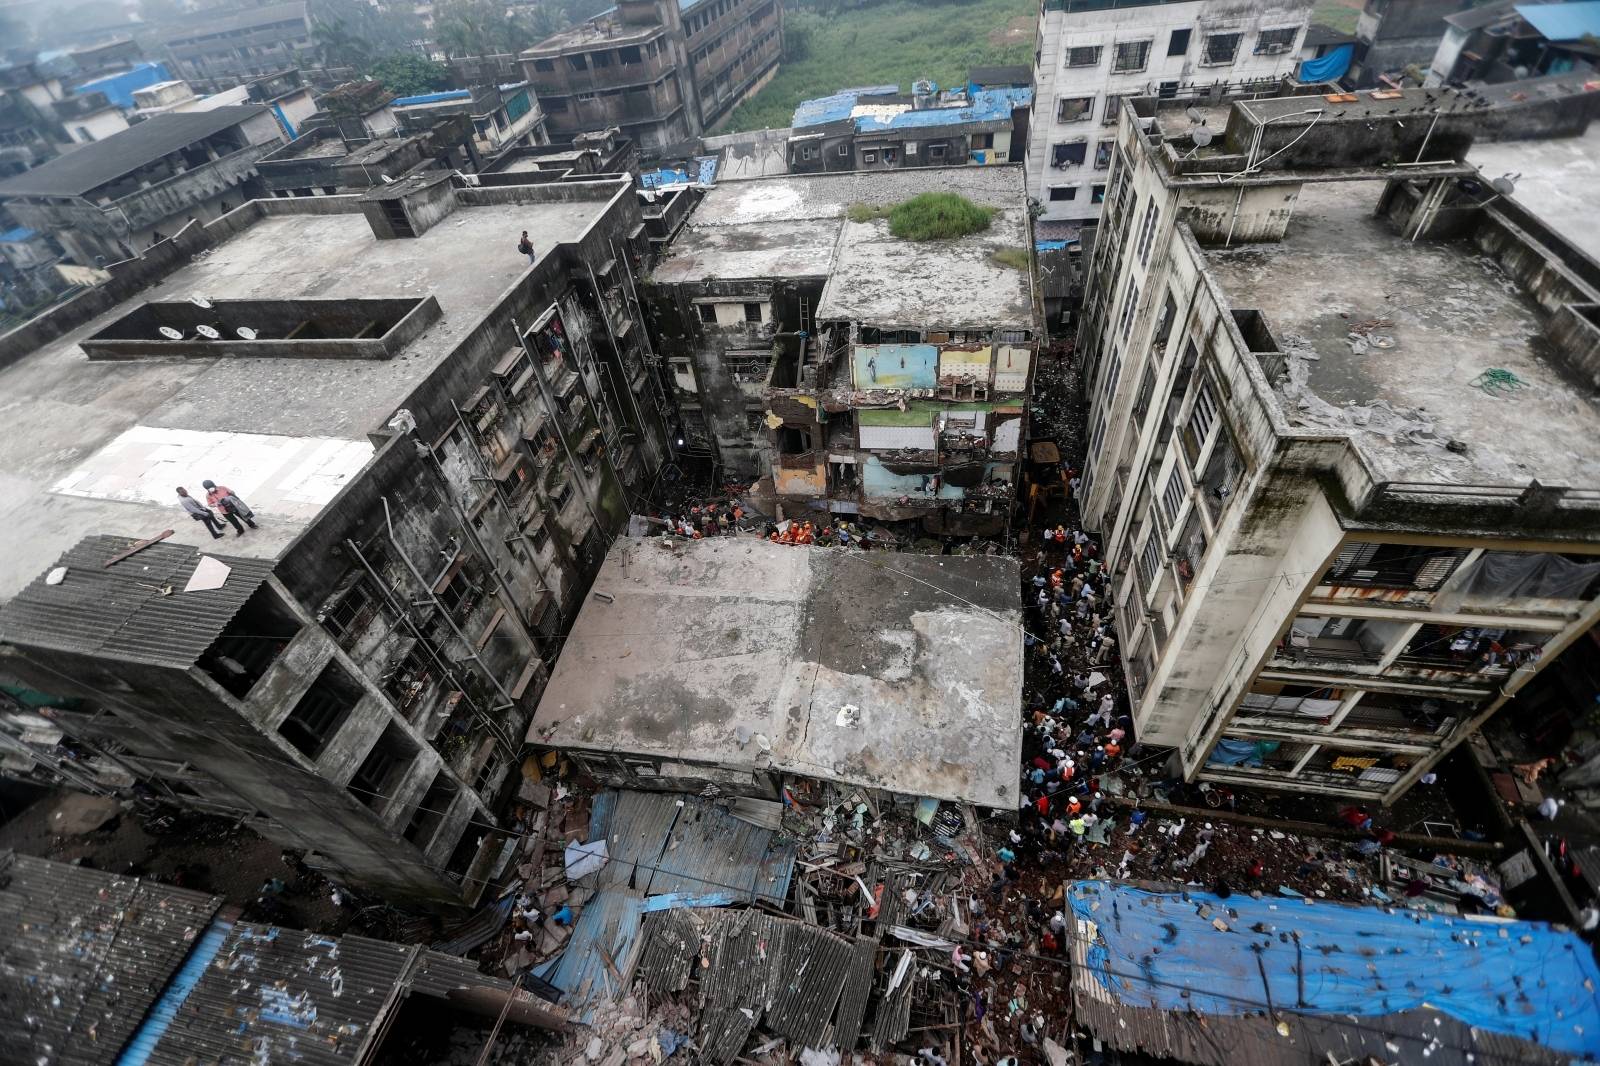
point(200, 513)
point(525, 246)
point(223, 499)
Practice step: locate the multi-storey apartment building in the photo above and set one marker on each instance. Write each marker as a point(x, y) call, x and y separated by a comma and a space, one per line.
point(1341, 436)
point(1092, 54)
point(438, 438)
point(220, 50)
point(663, 71)
point(113, 198)
point(866, 373)
point(879, 128)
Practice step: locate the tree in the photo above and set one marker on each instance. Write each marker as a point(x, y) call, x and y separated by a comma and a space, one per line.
point(479, 28)
point(340, 46)
point(407, 74)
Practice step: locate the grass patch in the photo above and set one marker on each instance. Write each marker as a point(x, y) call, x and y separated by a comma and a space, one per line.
point(895, 41)
point(1015, 258)
point(866, 212)
point(935, 216)
point(1338, 15)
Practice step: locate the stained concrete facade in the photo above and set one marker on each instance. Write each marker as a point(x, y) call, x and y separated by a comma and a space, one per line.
point(1341, 439)
point(135, 200)
point(1090, 57)
point(863, 373)
point(739, 662)
point(663, 71)
point(428, 522)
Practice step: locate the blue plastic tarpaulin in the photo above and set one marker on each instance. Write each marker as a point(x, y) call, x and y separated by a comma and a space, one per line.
point(1165, 951)
point(1241, 752)
point(1330, 67)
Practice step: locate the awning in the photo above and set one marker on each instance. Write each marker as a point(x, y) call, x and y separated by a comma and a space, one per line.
point(1330, 67)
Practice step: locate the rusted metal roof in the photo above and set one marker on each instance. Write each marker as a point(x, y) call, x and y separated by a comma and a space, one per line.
point(84, 955)
point(124, 611)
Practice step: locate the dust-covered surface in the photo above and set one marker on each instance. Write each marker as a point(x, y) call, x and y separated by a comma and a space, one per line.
point(797, 226)
point(1386, 338)
point(896, 671)
point(64, 415)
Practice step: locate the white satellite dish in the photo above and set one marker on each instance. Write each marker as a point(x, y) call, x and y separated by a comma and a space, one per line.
point(200, 301)
point(387, 180)
point(1505, 184)
point(171, 334)
point(1195, 114)
point(208, 332)
point(1201, 136)
point(246, 333)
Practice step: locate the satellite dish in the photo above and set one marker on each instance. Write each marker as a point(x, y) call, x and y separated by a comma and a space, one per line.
point(208, 332)
point(246, 333)
point(1505, 185)
point(1195, 114)
point(200, 301)
point(387, 180)
point(171, 334)
point(1201, 136)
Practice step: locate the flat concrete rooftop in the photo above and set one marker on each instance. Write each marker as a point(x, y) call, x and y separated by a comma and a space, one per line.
point(796, 226)
point(1430, 317)
point(1559, 181)
point(894, 671)
point(99, 447)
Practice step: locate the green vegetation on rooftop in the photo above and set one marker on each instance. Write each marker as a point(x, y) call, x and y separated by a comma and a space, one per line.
point(935, 216)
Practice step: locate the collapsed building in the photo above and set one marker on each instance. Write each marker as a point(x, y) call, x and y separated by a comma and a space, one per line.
point(438, 440)
point(737, 663)
point(1341, 441)
point(98, 969)
point(867, 374)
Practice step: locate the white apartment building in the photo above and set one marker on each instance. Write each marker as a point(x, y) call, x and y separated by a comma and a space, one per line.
point(1343, 445)
point(1090, 54)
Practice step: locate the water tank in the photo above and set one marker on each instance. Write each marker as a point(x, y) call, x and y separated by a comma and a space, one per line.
point(923, 94)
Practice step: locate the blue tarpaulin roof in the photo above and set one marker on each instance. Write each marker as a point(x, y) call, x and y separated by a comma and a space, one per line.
point(1330, 67)
point(17, 234)
point(834, 108)
point(119, 87)
point(1163, 951)
point(703, 169)
point(986, 105)
point(433, 98)
point(1563, 22)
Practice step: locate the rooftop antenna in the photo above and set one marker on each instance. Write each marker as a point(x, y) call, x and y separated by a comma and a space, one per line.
point(246, 333)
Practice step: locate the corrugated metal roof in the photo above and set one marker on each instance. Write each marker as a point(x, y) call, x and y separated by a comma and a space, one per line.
point(1134, 1002)
point(661, 842)
point(432, 98)
point(84, 955)
point(281, 995)
point(94, 165)
point(121, 613)
point(795, 979)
